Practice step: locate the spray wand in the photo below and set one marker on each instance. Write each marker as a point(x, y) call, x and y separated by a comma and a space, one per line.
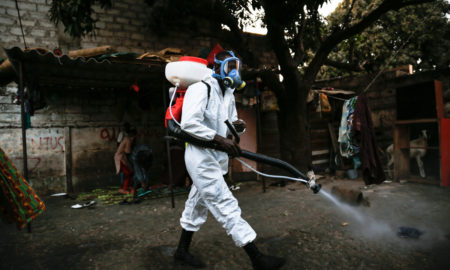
point(309, 181)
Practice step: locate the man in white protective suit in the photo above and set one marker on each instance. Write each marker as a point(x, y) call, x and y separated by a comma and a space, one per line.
point(204, 114)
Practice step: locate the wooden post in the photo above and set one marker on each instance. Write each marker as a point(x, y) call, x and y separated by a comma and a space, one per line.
point(23, 119)
point(439, 99)
point(169, 157)
point(68, 158)
point(24, 130)
point(401, 151)
point(259, 134)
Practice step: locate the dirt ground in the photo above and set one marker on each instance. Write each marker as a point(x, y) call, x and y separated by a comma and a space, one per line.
point(308, 229)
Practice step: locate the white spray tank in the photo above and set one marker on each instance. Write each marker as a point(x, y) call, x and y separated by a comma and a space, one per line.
point(188, 70)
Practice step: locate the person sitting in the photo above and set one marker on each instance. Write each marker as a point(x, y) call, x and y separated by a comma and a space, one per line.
point(141, 158)
point(121, 160)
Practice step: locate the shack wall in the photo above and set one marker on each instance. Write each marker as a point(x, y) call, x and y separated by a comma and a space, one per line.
point(382, 100)
point(91, 125)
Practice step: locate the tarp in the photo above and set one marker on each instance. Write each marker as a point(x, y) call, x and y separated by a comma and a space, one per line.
point(19, 203)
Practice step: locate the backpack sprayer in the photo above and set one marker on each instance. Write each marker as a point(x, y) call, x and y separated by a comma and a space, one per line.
point(189, 70)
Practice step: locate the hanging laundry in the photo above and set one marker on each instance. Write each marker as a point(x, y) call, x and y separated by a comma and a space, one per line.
point(347, 145)
point(18, 202)
point(324, 103)
point(269, 101)
point(364, 133)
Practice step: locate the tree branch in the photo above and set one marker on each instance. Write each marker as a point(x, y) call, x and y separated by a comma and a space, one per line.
point(349, 13)
point(346, 66)
point(299, 48)
point(238, 41)
point(338, 36)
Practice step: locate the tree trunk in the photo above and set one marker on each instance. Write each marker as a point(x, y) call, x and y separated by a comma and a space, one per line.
point(294, 126)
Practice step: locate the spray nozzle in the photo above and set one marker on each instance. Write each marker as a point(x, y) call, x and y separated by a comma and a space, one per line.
point(311, 184)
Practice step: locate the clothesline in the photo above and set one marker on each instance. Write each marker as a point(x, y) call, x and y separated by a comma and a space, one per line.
point(330, 96)
point(325, 92)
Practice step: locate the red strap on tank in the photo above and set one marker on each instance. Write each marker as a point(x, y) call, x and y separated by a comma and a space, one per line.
point(194, 59)
point(176, 110)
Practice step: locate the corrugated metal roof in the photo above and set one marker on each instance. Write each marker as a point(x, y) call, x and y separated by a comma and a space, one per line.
point(50, 70)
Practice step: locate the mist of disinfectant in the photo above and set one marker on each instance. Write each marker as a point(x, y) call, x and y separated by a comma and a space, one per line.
point(371, 227)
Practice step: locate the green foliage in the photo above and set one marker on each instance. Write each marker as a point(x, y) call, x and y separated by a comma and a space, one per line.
point(417, 35)
point(76, 15)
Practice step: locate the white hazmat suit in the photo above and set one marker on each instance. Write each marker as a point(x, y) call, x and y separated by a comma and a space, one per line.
point(203, 118)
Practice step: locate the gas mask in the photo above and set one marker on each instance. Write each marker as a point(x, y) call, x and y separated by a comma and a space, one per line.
point(230, 72)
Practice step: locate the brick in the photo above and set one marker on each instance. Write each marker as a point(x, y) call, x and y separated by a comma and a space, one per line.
point(100, 25)
point(121, 6)
point(47, 24)
point(105, 33)
point(131, 2)
point(142, 16)
point(12, 12)
point(44, 2)
point(9, 108)
point(113, 26)
point(122, 20)
point(52, 33)
point(2, 11)
point(16, 31)
point(130, 28)
point(136, 8)
point(138, 36)
point(5, 99)
point(38, 15)
point(97, 9)
point(30, 40)
point(137, 22)
point(88, 44)
point(9, 4)
point(38, 33)
point(42, 8)
point(129, 14)
point(6, 21)
point(10, 118)
point(12, 88)
point(29, 23)
point(112, 12)
point(122, 34)
point(48, 43)
point(27, 6)
point(106, 18)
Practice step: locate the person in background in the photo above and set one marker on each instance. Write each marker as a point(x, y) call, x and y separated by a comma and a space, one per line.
point(121, 161)
point(123, 132)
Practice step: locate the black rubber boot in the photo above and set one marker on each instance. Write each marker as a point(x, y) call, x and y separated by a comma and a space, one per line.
point(182, 254)
point(261, 261)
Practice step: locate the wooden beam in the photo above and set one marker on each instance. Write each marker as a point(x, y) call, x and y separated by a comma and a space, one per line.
point(439, 99)
point(68, 158)
point(401, 152)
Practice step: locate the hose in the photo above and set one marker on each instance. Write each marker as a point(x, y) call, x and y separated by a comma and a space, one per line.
point(176, 131)
point(170, 104)
point(270, 175)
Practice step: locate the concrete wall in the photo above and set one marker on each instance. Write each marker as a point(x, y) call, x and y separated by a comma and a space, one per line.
point(46, 159)
point(75, 135)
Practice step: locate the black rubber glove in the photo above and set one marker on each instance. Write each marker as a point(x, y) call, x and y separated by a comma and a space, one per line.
point(230, 146)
